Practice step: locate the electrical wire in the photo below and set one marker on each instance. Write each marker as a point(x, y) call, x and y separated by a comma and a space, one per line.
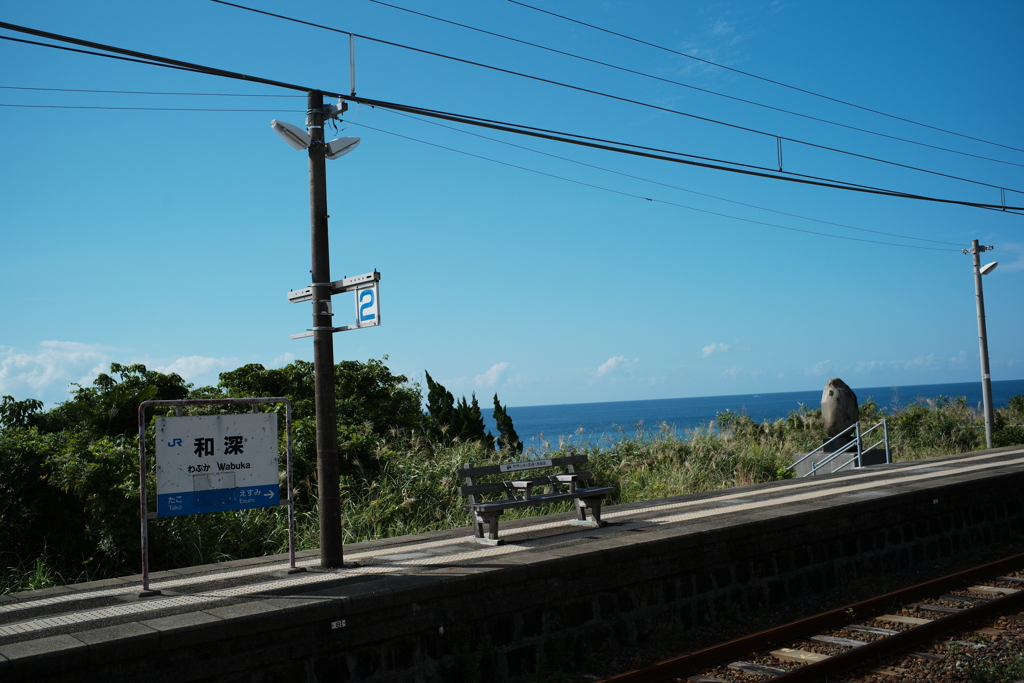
point(476, 121)
point(88, 52)
point(762, 78)
point(649, 199)
point(617, 98)
point(140, 92)
point(79, 106)
point(667, 185)
point(690, 160)
point(693, 87)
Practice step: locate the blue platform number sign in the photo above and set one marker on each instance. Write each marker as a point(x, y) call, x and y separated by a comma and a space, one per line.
point(368, 306)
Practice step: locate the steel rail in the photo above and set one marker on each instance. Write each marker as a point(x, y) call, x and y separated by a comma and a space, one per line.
point(774, 637)
point(856, 657)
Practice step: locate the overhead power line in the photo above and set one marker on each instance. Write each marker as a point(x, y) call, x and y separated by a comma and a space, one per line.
point(661, 184)
point(692, 87)
point(81, 106)
point(139, 92)
point(622, 148)
point(650, 199)
point(464, 132)
point(610, 96)
point(766, 80)
point(84, 52)
point(674, 157)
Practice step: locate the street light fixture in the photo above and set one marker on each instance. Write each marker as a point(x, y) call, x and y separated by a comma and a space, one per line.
point(986, 378)
point(293, 135)
point(328, 481)
point(341, 147)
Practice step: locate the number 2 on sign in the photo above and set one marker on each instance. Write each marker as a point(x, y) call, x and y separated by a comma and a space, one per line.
point(367, 306)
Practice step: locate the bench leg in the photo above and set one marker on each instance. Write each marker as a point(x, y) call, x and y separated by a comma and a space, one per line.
point(478, 525)
point(490, 520)
point(492, 526)
point(595, 511)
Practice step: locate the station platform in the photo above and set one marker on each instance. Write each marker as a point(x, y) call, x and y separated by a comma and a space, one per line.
point(436, 606)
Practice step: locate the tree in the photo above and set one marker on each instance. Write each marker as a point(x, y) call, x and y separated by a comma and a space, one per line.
point(15, 414)
point(507, 437)
point(110, 406)
point(471, 422)
point(442, 421)
point(370, 401)
point(447, 420)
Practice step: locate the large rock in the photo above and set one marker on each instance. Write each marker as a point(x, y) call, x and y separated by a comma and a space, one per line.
point(838, 406)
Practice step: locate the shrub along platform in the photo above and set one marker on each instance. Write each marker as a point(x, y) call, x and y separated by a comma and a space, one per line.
point(435, 607)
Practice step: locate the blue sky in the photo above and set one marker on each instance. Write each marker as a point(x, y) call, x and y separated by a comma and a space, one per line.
point(135, 231)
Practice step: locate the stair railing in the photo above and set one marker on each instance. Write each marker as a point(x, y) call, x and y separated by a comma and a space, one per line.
point(854, 445)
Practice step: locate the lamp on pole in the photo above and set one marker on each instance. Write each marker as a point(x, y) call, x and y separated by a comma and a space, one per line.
point(328, 484)
point(986, 378)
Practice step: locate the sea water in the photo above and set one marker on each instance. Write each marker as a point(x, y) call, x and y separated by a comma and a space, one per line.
point(544, 426)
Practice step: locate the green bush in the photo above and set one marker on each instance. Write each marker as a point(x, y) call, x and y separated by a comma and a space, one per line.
point(69, 489)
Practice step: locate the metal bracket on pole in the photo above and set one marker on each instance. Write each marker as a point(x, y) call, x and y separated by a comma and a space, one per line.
point(348, 284)
point(298, 296)
point(352, 63)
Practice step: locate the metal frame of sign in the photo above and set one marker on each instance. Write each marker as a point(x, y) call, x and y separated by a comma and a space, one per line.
point(145, 515)
point(358, 284)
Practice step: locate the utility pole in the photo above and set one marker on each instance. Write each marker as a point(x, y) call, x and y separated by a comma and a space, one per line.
point(986, 378)
point(328, 487)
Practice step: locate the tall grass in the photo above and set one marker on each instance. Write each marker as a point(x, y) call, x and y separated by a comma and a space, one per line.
point(411, 484)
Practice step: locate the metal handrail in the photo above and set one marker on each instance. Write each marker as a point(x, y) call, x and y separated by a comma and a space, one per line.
point(822, 446)
point(853, 445)
point(884, 424)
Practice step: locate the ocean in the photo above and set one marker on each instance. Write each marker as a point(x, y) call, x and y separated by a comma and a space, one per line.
point(542, 427)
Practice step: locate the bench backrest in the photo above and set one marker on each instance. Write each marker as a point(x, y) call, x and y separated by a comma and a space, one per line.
point(470, 473)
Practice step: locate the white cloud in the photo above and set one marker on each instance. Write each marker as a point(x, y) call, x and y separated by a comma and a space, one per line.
point(46, 373)
point(721, 28)
point(492, 377)
point(616, 365)
point(282, 360)
point(929, 362)
point(1011, 257)
point(713, 348)
point(824, 367)
point(198, 369)
point(733, 372)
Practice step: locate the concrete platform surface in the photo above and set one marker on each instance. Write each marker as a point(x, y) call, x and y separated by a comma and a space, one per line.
point(44, 633)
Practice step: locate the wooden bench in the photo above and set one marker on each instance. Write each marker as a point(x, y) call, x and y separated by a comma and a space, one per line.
point(522, 492)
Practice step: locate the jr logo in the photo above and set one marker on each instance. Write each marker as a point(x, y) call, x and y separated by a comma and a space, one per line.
point(366, 306)
point(176, 442)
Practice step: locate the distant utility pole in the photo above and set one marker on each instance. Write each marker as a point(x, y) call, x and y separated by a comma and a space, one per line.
point(986, 378)
point(328, 487)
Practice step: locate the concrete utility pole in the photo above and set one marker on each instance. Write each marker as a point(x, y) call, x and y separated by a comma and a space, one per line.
point(328, 487)
point(986, 379)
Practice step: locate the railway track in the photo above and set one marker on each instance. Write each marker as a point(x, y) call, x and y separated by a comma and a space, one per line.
point(870, 639)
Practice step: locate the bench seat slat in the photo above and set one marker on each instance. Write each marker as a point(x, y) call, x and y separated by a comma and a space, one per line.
point(536, 499)
point(496, 469)
point(500, 485)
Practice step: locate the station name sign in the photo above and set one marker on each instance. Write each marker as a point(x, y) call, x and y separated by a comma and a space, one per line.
point(211, 463)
